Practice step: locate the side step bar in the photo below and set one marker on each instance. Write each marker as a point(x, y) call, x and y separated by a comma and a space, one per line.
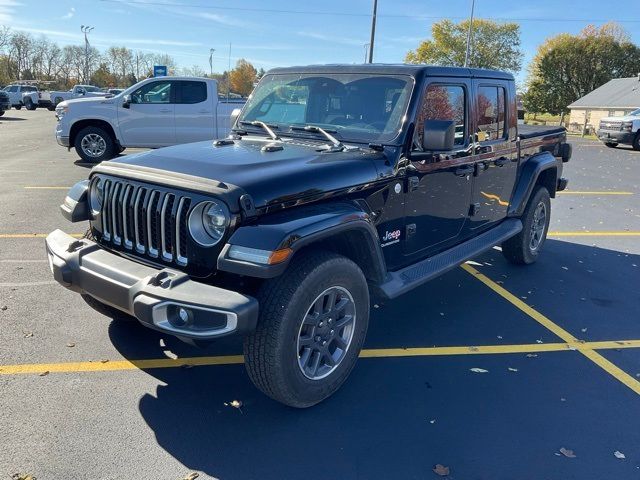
point(410, 277)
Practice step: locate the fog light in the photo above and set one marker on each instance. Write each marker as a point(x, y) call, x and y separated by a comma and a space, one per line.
point(179, 316)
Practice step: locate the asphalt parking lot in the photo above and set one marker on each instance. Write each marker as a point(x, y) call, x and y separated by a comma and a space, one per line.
point(558, 345)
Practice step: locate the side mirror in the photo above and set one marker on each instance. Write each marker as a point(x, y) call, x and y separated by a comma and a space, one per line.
point(126, 101)
point(438, 135)
point(234, 116)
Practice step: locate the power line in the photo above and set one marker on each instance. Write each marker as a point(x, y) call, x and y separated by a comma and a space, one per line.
point(354, 14)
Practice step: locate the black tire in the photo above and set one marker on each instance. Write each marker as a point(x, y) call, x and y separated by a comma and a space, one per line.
point(519, 249)
point(636, 142)
point(51, 108)
point(56, 101)
point(28, 104)
point(272, 352)
point(611, 144)
point(18, 107)
point(1, 113)
point(109, 150)
point(107, 310)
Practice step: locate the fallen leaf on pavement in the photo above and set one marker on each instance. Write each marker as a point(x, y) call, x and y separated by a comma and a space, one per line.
point(27, 334)
point(71, 344)
point(567, 453)
point(473, 349)
point(532, 355)
point(619, 455)
point(22, 476)
point(539, 341)
point(478, 370)
point(3, 308)
point(513, 369)
point(42, 374)
point(432, 421)
point(104, 360)
point(441, 470)
point(192, 476)
point(235, 404)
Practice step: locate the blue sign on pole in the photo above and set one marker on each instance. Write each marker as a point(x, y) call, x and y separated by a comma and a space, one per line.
point(159, 70)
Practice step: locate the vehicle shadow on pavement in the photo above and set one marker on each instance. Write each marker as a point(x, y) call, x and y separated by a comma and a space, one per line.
point(11, 119)
point(398, 417)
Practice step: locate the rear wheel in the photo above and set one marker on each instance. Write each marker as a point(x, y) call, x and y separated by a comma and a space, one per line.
point(313, 321)
point(611, 144)
point(1, 112)
point(524, 248)
point(28, 104)
point(18, 107)
point(94, 144)
point(636, 142)
point(51, 108)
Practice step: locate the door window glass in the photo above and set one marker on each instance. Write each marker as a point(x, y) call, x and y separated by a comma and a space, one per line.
point(192, 92)
point(491, 114)
point(154, 92)
point(442, 102)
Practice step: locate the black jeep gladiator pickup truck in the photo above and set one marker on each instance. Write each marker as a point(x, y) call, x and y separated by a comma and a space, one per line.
point(337, 184)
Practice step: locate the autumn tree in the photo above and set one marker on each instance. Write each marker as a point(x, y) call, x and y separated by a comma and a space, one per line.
point(243, 77)
point(567, 67)
point(494, 45)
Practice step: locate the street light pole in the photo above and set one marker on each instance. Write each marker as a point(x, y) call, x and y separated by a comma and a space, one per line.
point(469, 34)
point(373, 30)
point(86, 29)
point(366, 51)
point(211, 61)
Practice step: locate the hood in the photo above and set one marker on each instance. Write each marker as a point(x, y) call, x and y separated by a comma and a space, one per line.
point(96, 99)
point(297, 171)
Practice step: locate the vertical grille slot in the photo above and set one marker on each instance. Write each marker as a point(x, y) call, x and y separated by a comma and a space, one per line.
point(149, 222)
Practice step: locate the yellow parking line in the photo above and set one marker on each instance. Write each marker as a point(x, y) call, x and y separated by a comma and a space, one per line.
point(118, 365)
point(594, 234)
point(35, 187)
point(576, 192)
point(586, 350)
point(34, 235)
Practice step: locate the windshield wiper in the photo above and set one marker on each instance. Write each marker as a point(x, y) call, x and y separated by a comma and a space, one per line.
point(264, 126)
point(336, 145)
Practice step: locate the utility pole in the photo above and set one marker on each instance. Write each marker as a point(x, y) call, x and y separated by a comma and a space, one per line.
point(366, 51)
point(373, 30)
point(211, 50)
point(229, 74)
point(469, 35)
point(86, 29)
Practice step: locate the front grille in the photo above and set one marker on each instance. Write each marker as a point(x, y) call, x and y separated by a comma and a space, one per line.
point(145, 220)
point(611, 125)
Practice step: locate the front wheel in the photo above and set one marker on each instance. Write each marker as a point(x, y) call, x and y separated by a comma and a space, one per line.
point(312, 325)
point(94, 144)
point(524, 248)
point(18, 107)
point(636, 142)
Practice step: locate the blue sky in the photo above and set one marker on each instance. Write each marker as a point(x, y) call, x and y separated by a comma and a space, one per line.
point(335, 32)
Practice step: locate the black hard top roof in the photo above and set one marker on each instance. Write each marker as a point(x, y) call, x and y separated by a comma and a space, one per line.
point(397, 69)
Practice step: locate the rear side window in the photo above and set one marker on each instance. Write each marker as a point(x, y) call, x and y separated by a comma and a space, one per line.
point(491, 113)
point(29, 89)
point(191, 92)
point(443, 102)
point(13, 88)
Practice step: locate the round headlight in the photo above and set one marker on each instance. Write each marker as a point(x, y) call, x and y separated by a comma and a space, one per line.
point(208, 222)
point(96, 195)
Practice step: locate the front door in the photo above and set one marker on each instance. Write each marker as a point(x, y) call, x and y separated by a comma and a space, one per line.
point(496, 152)
point(439, 183)
point(149, 121)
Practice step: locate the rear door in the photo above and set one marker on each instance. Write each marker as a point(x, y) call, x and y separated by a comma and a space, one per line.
point(439, 183)
point(149, 121)
point(194, 112)
point(495, 151)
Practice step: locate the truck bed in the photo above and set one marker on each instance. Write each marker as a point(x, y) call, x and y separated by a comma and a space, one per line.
point(529, 131)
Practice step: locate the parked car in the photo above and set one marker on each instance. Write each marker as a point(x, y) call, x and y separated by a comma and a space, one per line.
point(78, 91)
point(5, 102)
point(614, 131)
point(155, 112)
point(16, 92)
point(339, 183)
point(115, 91)
point(37, 99)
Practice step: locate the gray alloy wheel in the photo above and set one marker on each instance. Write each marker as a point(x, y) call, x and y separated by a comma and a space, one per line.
point(326, 333)
point(538, 226)
point(93, 145)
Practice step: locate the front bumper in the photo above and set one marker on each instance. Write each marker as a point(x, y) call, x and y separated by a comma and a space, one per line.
point(63, 140)
point(615, 136)
point(154, 296)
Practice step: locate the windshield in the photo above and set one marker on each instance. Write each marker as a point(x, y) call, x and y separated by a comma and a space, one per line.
point(358, 107)
point(91, 89)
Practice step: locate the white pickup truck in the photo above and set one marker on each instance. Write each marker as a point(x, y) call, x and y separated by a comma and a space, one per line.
point(156, 112)
point(16, 92)
point(78, 91)
point(613, 131)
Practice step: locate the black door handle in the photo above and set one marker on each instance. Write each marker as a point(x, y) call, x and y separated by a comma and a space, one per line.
point(501, 161)
point(464, 171)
